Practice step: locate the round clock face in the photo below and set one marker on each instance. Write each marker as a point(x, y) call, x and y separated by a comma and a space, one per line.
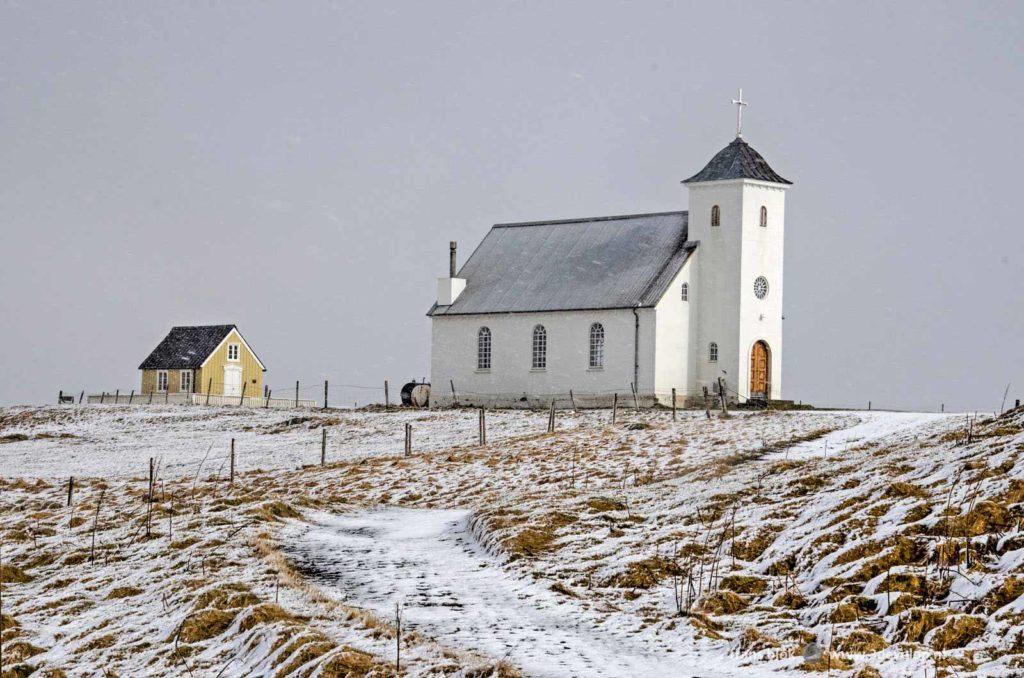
point(761, 287)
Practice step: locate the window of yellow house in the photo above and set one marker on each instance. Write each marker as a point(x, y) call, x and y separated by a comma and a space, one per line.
point(186, 381)
point(233, 352)
point(161, 380)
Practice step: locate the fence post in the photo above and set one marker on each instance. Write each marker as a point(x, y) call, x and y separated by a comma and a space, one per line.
point(81, 396)
point(408, 439)
point(551, 418)
point(636, 403)
point(721, 395)
point(269, 391)
point(131, 396)
point(387, 398)
point(149, 495)
point(71, 488)
point(572, 399)
point(209, 387)
point(483, 424)
point(167, 394)
point(323, 446)
point(60, 397)
point(615, 407)
point(150, 398)
point(103, 397)
point(673, 404)
point(869, 406)
point(231, 478)
point(117, 397)
point(455, 397)
point(325, 394)
point(707, 403)
point(296, 394)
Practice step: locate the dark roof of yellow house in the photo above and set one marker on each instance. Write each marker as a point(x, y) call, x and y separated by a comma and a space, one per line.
point(188, 347)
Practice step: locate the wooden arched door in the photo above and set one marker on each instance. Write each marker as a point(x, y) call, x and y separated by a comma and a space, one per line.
point(760, 371)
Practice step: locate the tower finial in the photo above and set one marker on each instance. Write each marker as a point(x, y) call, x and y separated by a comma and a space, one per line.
point(739, 103)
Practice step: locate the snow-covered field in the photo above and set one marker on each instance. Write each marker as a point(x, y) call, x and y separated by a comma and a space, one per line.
point(696, 547)
point(110, 441)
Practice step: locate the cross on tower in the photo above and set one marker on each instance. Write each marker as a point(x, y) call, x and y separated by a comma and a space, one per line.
point(739, 103)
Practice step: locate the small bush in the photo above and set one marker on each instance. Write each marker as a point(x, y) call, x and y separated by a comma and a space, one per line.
point(957, 632)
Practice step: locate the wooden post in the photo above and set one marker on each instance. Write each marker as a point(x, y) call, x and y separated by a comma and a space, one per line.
point(60, 397)
point(325, 394)
point(95, 520)
point(209, 387)
point(408, 439)
point(71, 488)
point(455, 397)
point(231, 477)
point(943, 408)
point(387, 398)
point(636, 404)
point(167, 393)
point(398, 640)
point(615, 407)
point(551, 418)
point(483, 424)
point(673, 404)
point(869, 406)
point(707, 403)
point(296, 394)
point(131, 396)
point(241, 398)
point(267, 404)
point(323, 446)
point(572, 399)
point(721, 395)
point(117, 397)
point(150, 398)
point(149, 494)
point(103, 397)
point(81, 396)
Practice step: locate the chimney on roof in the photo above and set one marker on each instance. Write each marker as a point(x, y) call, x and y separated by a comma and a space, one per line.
point(449, 289)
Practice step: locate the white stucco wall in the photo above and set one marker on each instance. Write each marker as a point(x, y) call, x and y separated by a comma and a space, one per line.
point(672, 339)
point(454, 356)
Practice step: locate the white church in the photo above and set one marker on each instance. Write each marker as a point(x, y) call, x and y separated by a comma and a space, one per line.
point(642, 303)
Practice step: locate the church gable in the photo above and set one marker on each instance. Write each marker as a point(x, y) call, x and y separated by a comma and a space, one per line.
point(582, 264)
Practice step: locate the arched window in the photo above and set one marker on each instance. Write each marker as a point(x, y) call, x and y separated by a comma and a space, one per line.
point(596, 346)
point(540, 348)
point(764, 217)
point(713, 352)
point(483, 349)
point(684, 292)
point(716, 216)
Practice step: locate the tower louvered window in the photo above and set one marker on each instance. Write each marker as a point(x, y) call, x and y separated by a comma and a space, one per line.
point(716, 216)
point(764, 217)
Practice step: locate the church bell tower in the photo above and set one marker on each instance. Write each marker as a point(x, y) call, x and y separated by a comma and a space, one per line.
point(737, 213)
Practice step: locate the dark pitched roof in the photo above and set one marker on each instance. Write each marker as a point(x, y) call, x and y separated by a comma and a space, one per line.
point(186, 347)
point(738, 160)
point(576, 264)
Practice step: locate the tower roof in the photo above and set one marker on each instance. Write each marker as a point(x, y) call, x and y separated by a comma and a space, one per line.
point(738, 160)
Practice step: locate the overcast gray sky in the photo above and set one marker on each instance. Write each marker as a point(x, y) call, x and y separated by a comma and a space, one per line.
point(299, 167)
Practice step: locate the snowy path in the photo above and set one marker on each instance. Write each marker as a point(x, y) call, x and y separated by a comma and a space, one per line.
point(454, 591)
point(873, 426)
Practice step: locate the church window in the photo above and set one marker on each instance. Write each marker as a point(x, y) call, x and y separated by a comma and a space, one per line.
point(713, 352)
point(483, 349)
point(761, 287)
point(685, 292)
point(716, 216)
point(540, 348)
point(596, 346)
point(764, 217)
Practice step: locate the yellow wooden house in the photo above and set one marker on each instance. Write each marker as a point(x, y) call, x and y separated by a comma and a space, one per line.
point(213, 359)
